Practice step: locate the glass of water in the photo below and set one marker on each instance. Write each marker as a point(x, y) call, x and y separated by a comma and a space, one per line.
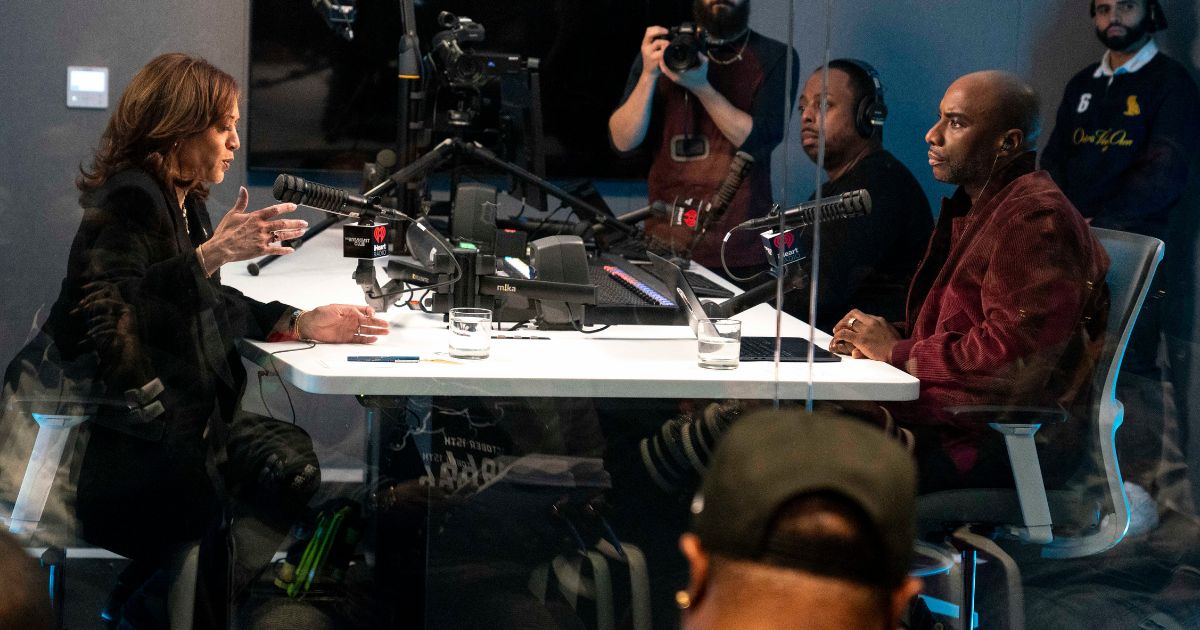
point(720, 343)
point(470, 333)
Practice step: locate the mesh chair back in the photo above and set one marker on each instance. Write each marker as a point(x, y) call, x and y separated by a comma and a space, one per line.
point(1133, 260)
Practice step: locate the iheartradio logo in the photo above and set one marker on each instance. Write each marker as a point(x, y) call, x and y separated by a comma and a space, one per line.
point(689, 214)
point(380, 233)
point(784, 241)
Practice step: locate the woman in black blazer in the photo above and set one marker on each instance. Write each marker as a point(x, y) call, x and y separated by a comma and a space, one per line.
point(143, 300)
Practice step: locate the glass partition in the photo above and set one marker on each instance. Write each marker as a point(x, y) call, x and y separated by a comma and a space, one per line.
point(813, 169)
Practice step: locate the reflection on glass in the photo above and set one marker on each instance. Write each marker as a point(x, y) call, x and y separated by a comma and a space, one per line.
point(485, 509)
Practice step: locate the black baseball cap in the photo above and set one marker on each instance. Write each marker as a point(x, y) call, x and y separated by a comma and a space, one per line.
point(770, 458)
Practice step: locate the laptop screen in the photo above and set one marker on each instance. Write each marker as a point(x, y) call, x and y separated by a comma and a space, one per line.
point(677, 284)
point(791, 349)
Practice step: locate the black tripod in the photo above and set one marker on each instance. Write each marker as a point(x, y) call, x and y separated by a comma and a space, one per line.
point(452, 148)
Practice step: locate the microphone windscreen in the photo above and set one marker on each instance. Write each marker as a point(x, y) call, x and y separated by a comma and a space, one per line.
point(386, 158)
point(287, 188)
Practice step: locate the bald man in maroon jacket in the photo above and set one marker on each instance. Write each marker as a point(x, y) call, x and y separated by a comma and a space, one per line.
point(1009, 305)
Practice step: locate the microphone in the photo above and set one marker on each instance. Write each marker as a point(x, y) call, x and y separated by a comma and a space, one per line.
point(796, 277)
point(738, 168)
point(855, 203)
point(295, 190)
point(687, 215)
point(658, 208)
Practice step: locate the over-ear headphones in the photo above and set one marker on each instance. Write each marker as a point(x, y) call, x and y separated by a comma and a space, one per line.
point(1154, 11)
point(1154, 14)
point(871, 111)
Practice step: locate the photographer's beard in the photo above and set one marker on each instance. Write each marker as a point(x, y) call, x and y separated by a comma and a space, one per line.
point(1133, 35)
point(723, 20)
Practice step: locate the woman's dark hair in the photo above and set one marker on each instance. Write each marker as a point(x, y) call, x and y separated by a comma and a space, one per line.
point(173, 98)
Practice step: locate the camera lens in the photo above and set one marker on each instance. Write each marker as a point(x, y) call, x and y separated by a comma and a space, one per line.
point(468, 71)
point(681, 54)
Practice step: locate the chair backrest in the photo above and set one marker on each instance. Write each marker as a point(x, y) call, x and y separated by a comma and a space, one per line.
point(1133, 260)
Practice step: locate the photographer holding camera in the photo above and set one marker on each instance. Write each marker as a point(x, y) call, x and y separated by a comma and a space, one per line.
point(707, 91)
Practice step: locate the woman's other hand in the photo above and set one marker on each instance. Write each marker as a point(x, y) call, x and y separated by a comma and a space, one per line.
point(341, 323)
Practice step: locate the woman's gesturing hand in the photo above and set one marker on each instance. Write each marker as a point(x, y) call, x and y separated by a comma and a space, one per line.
point(243, 234)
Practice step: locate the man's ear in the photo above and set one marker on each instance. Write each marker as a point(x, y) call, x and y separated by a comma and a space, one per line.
point(901, 597)
point(698, 564)
point(1011, 142)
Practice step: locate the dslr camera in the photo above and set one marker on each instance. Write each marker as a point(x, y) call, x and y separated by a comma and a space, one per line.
point(687, 43)
point(460, 65)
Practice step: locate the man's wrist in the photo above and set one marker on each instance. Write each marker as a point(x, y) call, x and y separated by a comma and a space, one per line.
point(899, 353)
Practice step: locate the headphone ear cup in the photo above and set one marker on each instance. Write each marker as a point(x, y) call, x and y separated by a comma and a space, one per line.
point(879, 111)
point(870, 109)
point(862, 117)
point(1154, 15)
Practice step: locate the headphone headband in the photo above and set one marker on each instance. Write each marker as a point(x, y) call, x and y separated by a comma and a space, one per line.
point(871, 111)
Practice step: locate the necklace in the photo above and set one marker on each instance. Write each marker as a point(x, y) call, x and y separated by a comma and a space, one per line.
point(735, 58)
point(187, 228)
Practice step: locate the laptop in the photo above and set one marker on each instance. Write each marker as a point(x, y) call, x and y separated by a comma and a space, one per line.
point(793, 349)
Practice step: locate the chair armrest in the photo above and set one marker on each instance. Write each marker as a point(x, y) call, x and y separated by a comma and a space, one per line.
point(1008, 414)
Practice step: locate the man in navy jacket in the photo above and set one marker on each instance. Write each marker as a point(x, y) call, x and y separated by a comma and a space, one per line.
point(1121, 150)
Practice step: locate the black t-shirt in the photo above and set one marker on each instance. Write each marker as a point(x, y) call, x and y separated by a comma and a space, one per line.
point(867, 262)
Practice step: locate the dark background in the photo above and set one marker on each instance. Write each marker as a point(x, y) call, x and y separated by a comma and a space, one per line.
point(317, 101)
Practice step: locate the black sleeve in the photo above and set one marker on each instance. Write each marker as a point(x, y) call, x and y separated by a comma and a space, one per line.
point(1052, 154)
point(769, 107)
point(245, 316)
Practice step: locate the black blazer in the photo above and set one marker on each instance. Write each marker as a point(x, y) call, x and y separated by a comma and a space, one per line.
point(135, 295)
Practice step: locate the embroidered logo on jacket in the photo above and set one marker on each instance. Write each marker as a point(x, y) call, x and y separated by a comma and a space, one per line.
point(1103, 138)
point(1085, 99)
point(1131, 106)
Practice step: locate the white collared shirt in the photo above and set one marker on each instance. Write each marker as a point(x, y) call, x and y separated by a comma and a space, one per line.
point(1134, 64)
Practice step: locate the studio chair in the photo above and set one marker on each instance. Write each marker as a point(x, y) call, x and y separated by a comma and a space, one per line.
point(1085, 519)
point(56, 445)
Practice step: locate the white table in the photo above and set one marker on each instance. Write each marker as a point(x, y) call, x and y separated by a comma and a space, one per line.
point(620, 362)
point(632, 362)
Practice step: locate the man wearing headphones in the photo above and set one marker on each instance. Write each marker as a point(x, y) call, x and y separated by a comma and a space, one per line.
point(866, 262)
point(697, 119)
point(1126, 133)
point(1004, 308)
